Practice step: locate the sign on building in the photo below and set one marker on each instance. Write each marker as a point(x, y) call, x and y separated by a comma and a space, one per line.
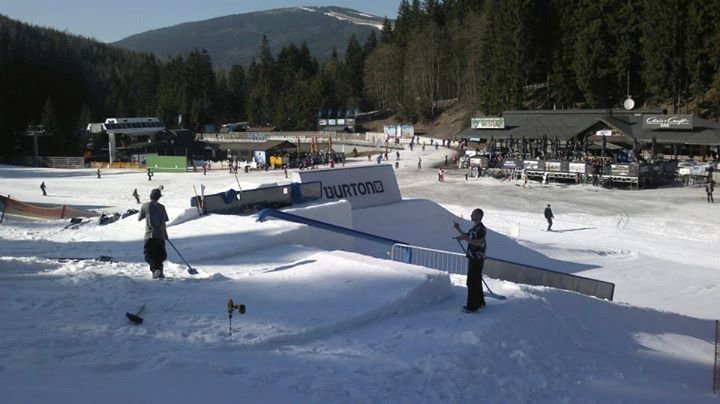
point(677, 122)
point(487, 123)
point(407, 131)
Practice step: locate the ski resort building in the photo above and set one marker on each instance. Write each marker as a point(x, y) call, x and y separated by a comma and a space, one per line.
point(640, 148)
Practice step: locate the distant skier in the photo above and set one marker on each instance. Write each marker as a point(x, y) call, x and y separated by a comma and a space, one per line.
point(98, 173)
point(549, 217)
point(475, 252)
point(42, 187)
point(155, 233)
point(419, 163)
point(136, 195)
point(709, 188)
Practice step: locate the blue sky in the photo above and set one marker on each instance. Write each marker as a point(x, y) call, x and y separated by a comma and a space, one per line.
point(110, 21)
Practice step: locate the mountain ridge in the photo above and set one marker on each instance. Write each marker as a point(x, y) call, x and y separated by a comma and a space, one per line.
point(236, 38)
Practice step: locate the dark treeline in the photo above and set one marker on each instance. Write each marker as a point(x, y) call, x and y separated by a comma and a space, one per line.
point(490, 55)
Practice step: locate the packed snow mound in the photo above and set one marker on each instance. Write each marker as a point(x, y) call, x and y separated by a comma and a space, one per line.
point(278, 310)
point(424, 223)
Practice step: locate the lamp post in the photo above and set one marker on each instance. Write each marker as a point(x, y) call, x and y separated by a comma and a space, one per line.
point(35, 131)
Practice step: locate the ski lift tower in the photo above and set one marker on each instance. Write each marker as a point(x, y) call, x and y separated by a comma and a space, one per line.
point(35, 131)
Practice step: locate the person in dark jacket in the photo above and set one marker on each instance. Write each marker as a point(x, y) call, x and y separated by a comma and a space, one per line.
point(709, 188)
point(42, 188)
point(549, 217)
point(136, 195)
point(475, 252)
point(155, 233)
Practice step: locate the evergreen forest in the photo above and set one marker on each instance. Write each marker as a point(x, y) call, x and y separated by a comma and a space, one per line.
point(489, 56)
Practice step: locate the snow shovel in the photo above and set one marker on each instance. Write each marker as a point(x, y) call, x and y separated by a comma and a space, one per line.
point(135, 318)
point(191, 270)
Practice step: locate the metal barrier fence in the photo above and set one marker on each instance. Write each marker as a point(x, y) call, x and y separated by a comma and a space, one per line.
point(64, 162)
point(456, 263)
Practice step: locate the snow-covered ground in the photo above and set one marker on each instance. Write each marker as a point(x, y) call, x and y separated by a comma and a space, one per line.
point(324, 325)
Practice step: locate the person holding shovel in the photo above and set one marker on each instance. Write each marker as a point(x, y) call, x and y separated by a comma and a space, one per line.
point(475, 252)
point(155, 233)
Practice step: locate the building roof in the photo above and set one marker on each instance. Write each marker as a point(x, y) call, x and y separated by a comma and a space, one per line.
point(568, 124)
point(267, 146)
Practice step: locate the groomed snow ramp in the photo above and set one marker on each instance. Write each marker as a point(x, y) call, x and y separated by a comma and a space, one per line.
point(266, 213)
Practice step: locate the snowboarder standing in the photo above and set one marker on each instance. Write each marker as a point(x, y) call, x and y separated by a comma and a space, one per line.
point(98, 173)
point(475, 252)
point(136, 195)
point(42, 188)
point(549, 217)
point(155, 233)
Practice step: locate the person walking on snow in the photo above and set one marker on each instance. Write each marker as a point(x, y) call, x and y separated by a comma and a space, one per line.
point(98, 173)
point(136, 195)
point(42, 188)
point(419, 163)
point(475, 253)
point(155, 233)
point(549, 217)
point(709, 188)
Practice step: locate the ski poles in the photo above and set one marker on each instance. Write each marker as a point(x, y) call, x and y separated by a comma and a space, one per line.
point(481, 278)
point(191, 270)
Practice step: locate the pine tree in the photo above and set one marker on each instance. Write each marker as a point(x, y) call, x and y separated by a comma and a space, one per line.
point(237, 94)
point(354, 65)
point(663, 48)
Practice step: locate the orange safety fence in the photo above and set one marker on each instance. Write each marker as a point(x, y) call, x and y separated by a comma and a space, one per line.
point(13, 207)
point(116, 164)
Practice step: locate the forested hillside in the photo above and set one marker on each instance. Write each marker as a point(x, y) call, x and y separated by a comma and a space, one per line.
point(488, 55)
point(234, 39)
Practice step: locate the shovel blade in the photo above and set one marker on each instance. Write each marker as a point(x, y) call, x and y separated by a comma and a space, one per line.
point(134, 318)
point(192, 271)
